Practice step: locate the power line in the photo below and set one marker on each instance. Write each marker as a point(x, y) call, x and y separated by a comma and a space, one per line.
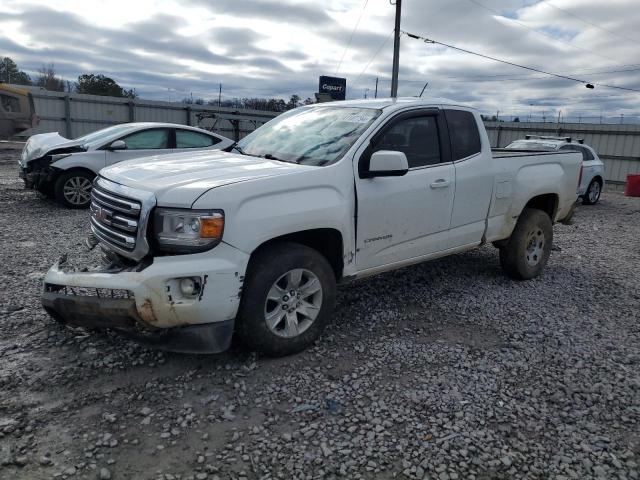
point(511, 77)
point(374, 56)
point(584, 20)
point(523, 25)
point(566, 77)
point(352, 34)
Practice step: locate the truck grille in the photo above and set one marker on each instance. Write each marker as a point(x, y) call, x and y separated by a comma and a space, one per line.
point(119, 220)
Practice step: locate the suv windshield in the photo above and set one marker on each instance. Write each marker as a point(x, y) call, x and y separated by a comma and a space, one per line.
point(529, 145)
point(309, 135)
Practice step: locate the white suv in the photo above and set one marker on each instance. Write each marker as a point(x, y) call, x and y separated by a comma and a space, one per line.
point(592, 176)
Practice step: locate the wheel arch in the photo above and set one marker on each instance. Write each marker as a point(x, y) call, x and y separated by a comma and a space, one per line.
point(76, 169)
point(326, 241)
point(547, 202)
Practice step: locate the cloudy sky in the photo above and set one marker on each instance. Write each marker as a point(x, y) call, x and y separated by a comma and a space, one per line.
point(168, 49)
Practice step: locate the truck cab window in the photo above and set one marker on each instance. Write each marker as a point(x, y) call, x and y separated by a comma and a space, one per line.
point(463, 130)
point(416, 137)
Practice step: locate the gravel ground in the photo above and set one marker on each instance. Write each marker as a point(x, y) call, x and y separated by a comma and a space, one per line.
point(446, 370)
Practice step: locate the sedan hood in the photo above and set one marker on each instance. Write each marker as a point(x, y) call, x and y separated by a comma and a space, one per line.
point(39, 145)
point(178, 180)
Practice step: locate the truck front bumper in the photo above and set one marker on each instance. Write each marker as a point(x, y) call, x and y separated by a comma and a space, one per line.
point(149, 306)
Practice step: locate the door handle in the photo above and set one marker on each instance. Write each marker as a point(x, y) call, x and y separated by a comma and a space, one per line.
point(440, 183)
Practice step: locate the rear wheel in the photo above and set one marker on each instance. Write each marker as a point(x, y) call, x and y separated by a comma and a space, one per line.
point(288, 298)
point(527, 251)
point(73, 189)
point(592, 195)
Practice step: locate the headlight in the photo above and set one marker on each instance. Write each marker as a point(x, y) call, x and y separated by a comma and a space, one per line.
point(188, 231)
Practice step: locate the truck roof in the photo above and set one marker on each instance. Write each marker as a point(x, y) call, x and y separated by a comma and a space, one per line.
point(400, 102)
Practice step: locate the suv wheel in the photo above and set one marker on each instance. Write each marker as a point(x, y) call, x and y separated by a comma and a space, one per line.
point(288, 297)
point(592, 195)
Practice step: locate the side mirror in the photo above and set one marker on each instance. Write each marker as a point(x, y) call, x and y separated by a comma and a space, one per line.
point(118, 145)
point(386, 163)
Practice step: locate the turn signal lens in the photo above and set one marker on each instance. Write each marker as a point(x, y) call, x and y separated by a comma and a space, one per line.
point(211, 227)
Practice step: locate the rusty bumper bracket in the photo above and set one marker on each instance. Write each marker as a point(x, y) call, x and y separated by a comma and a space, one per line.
point(121, 316)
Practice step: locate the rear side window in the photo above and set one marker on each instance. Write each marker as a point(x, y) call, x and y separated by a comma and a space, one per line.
point(463, 131)
point(586, 153)
point(190, 139)
point(148, 140)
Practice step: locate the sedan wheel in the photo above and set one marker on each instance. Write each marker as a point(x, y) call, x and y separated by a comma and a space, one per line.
point(77, 190)
point(73, 189)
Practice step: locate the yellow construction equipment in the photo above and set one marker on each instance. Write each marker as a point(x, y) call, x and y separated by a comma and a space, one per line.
point(17, 111)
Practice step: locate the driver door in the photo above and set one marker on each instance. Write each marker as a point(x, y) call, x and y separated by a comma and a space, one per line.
point(144, 143)
point(400, 217)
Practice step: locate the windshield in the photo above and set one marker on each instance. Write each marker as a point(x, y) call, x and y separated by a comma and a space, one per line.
point(529, 145)
point(309, 135)
point(103, 134)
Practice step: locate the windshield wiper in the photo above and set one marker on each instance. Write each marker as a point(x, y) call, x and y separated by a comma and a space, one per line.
point(232, 147)
point(268, 156)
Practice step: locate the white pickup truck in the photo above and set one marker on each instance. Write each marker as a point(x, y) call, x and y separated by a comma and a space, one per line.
point(200, 245)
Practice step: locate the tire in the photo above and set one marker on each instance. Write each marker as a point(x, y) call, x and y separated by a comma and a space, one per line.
point(271, 320)
point(527, 252)
point(592, 195)
point(73, 189)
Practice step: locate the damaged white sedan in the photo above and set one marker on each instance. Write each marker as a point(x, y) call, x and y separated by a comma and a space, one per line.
point(64, 169)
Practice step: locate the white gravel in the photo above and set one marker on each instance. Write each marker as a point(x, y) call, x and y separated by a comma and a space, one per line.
point(446, 370)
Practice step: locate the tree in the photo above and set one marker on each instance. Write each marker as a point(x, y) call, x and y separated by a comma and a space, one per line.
point(309, 101)
point(517, 119)
point(294, 101)
point(9, 73)
point(48, 79)
point(99, 84)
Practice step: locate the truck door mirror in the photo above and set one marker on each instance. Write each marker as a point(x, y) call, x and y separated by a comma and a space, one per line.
point(118, 145)
point(387, 163)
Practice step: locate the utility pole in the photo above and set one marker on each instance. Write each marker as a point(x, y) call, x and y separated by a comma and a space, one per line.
point(376, 94)
point(220, 96)
point(396, 51)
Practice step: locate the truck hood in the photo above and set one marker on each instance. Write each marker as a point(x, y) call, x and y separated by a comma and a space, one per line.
point(39, 145)
point(177, 180)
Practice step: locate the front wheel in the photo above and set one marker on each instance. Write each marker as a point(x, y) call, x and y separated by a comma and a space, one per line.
point(73, 189)
point(527, 251)
point(592, 195)
point(288, 298)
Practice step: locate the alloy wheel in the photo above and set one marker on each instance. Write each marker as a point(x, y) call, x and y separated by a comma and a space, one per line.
point(293, 303)
point(77, 190)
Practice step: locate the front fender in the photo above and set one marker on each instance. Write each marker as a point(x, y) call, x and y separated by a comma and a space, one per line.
point(263, 209)
point(93, 161)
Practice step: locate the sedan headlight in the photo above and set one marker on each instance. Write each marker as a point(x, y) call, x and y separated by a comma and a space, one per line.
point(187, 231)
